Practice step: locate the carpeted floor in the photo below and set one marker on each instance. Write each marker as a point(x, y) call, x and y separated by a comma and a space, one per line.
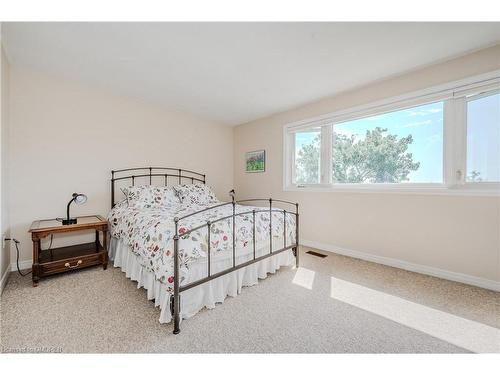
point(335, 304)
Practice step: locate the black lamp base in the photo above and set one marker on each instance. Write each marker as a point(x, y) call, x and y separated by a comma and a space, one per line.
point(69, 221)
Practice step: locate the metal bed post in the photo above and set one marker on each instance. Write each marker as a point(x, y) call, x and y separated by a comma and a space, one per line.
point(112, 189)
point(284, 228)
point(296, 235)
point(177, 297)
point(270, 225)
point(234, 231)
point(253, 233)
point(208, 246)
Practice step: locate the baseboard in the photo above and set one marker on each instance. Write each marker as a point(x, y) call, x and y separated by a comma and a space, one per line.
point(414, 267)
point(23, 265)
point(4, 279)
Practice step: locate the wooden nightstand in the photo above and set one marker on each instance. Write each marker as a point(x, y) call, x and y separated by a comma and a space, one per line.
point(68, 258)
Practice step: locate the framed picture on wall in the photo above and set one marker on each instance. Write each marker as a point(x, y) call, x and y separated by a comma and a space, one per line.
point(255, 161)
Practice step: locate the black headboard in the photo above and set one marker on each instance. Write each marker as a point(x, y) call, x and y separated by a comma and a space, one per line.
point(148, 174)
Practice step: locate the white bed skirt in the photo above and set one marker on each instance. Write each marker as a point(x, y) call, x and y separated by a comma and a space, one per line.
point(204, 295)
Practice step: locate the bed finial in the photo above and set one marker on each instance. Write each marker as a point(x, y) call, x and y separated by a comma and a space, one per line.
point(232, 194)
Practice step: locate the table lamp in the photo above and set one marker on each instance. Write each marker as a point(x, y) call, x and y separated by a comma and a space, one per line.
point(78, 199)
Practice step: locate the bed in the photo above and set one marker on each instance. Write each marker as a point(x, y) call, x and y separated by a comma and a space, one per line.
point(188, 249)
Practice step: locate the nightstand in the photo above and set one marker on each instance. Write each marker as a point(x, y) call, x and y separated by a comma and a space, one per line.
point(68, 258)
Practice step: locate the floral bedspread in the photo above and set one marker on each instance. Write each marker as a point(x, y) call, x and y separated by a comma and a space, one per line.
point(149, 233)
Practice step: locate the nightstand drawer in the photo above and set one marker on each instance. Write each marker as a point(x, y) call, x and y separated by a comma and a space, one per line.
point(72, 263)
point(70, 258)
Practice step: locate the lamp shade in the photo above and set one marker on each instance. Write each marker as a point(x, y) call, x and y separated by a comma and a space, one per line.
point(80, 198)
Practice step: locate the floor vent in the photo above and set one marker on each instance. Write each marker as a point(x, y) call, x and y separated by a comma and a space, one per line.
point(316, 254)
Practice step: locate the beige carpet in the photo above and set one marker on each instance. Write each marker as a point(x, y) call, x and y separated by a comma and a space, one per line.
point(336, 304)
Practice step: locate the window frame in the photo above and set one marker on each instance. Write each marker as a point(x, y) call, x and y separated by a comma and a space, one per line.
point(454, 96)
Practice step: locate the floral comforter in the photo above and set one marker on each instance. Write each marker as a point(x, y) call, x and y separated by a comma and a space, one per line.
point(149, 233)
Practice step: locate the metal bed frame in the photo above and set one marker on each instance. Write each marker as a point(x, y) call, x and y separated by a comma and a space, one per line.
point(182, 176)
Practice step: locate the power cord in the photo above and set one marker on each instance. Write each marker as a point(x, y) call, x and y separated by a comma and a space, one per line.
point(16, 242)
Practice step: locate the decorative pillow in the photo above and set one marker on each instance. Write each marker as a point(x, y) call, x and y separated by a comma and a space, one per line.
point(198, 194)
point(147, 196)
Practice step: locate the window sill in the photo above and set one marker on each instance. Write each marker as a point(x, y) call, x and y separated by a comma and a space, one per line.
point(486, 189)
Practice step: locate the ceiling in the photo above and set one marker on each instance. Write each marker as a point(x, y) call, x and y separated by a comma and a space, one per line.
point(233, 73)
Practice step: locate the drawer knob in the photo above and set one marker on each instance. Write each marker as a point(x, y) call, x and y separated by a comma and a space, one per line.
point(70, 266)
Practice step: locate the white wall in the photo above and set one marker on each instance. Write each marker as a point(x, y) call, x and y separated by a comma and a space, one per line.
point(454, 233)
point(66, 138)
point(4, 134)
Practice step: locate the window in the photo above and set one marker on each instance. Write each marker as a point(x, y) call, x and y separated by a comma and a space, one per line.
point(396, 147)
point(483, 138)
point(443, 140)
point(307, 156)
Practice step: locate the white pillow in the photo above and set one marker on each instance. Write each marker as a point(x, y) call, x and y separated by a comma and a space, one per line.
point(197, 194)
point(148, 196)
